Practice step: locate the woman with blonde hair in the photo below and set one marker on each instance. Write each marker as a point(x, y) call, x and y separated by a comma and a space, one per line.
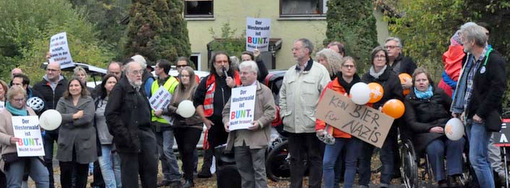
point(331, 60)
point(186, 130)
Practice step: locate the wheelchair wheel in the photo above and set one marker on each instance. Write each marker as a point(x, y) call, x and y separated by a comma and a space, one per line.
point(277, 162)
point(409, 169)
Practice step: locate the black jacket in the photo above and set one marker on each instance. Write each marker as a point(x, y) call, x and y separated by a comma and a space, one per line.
point(488, 87)
point(222, 94)
point(261, 76)
point(390, 83)
point(423, 114)
point(407, 65)
point(127, 112)
point(50, 98)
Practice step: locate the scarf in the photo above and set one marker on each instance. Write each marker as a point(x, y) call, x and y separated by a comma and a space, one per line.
point(424, 94)
point(376, 75)
point(14, 111)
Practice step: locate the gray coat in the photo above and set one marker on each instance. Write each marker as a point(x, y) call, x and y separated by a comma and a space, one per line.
point(78, 134)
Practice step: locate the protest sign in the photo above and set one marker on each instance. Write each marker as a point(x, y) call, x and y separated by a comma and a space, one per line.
point(363, 122)
point(59, 50)
point(27, 129)
point(160, 100)
point(502, 138)
point(242, 106)
point(258, 31)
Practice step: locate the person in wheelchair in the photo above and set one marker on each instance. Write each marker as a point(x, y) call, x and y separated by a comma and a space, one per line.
point(427, 111)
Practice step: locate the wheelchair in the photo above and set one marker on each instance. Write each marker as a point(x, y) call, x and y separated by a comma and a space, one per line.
point(416, 171)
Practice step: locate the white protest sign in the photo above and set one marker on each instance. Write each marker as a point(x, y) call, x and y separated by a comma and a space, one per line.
point(258, 31)
point(242, 105)
point(160, 100)
point(59, 50)
point(27, 128)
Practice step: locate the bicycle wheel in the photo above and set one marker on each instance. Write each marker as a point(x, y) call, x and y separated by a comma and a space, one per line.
point(277, 162)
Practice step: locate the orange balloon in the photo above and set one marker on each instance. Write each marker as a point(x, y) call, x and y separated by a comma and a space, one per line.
point(403, 77)
point(376, 92)
point(394, 108)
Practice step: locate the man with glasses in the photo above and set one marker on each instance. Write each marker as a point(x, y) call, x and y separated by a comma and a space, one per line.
point(128, 116)
point(398, 62)
point(51, 88)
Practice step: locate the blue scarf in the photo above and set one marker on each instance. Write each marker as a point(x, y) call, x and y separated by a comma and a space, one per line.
point(424, 94)
point(14, 111)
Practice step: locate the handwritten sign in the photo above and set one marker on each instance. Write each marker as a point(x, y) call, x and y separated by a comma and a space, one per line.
point(258, 31)
point(242, 106)
point(160, 100)
point(363, 122)
point(59, 50)
point(27, 128)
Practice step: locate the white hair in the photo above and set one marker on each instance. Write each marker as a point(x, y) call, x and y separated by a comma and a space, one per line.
point(140, 59)
point(251, 64)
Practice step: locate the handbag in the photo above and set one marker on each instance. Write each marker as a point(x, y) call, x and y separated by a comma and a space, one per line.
point(10, 157)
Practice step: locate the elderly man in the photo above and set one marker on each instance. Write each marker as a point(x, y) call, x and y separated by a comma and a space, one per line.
point(478, 97)
point(51, 89)
point(299, 96)
point(398, 62)
point(114, 68)
point(210, 97)
point(147, 78)
point(128, 116)
point(338, 47)
point(250, 145)
point(16, 71)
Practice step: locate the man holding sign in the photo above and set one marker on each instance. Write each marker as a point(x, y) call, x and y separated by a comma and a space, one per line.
point(251, 137)
point(20, 135)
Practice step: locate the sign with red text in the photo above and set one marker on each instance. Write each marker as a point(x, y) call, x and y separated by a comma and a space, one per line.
point(242, 107)
point(258, 31)
point(27, 129)
point(363, 122)
point(59, 50)
point(161, 99)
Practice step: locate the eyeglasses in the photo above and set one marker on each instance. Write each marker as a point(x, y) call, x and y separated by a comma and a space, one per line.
point(380, 56)
point(391, 47)
point(220, 62)
point(52, 70)
point(180, 66)
point(19, 100)
point(137, 72)
point(348, 66)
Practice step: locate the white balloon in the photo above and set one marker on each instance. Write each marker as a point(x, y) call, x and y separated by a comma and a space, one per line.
point(50, 120)
point(186, 109)
point(454, 129)
point(360, 93)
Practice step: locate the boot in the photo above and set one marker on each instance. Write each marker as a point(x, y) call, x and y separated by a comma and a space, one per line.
point(188, 183)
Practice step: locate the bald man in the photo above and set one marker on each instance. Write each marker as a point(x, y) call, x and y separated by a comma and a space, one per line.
point(15, 71)
point(51, 87)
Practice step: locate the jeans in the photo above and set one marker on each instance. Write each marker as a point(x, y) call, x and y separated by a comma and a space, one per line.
point(435, 152)
point(66, 174)
point(478, 153)
point(110, 167)
point(38, 173)
point(49, 138)
point(305, 147)
point(251, 165)
point(187, 140)
point(386, 156)
point(169, 164)
point(352, 146)
point(144, 163)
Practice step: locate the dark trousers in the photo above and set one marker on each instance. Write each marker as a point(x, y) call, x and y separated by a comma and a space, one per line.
point(49, 138)
point(305, 147)
point(217, 134)
point(187, 140)
point(66, 174)
point(144, 163)
point(208, 155)
point(386, 156)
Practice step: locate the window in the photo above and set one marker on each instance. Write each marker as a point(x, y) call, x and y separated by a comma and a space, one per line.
point(297, 8)
point(198, 9)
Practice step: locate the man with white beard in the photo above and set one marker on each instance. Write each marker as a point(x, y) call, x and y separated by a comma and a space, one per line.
point(128, 116)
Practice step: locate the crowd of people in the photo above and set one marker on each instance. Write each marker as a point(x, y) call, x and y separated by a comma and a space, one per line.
point(115, 127)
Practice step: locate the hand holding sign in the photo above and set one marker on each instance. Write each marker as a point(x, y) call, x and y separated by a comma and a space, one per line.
point(50, 120)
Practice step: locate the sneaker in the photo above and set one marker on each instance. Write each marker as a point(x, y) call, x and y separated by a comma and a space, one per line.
point(204, 174)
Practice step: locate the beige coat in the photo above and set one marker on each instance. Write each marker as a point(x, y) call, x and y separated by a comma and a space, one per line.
point(6, 132)
point(299, 96)
point(265, 112)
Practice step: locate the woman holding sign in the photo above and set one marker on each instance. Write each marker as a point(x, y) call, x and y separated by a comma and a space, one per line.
point(427, 111)
point(186, 130)
point(342, 84)
point(382, 74)
point(77, 135)
point(12, 165)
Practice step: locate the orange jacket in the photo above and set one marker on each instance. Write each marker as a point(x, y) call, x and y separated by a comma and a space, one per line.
point(319, 124)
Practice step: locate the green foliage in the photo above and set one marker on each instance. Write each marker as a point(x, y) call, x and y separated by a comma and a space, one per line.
point(228, 41)
point(353, 23)
point(157, 30)
point(25, 30)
